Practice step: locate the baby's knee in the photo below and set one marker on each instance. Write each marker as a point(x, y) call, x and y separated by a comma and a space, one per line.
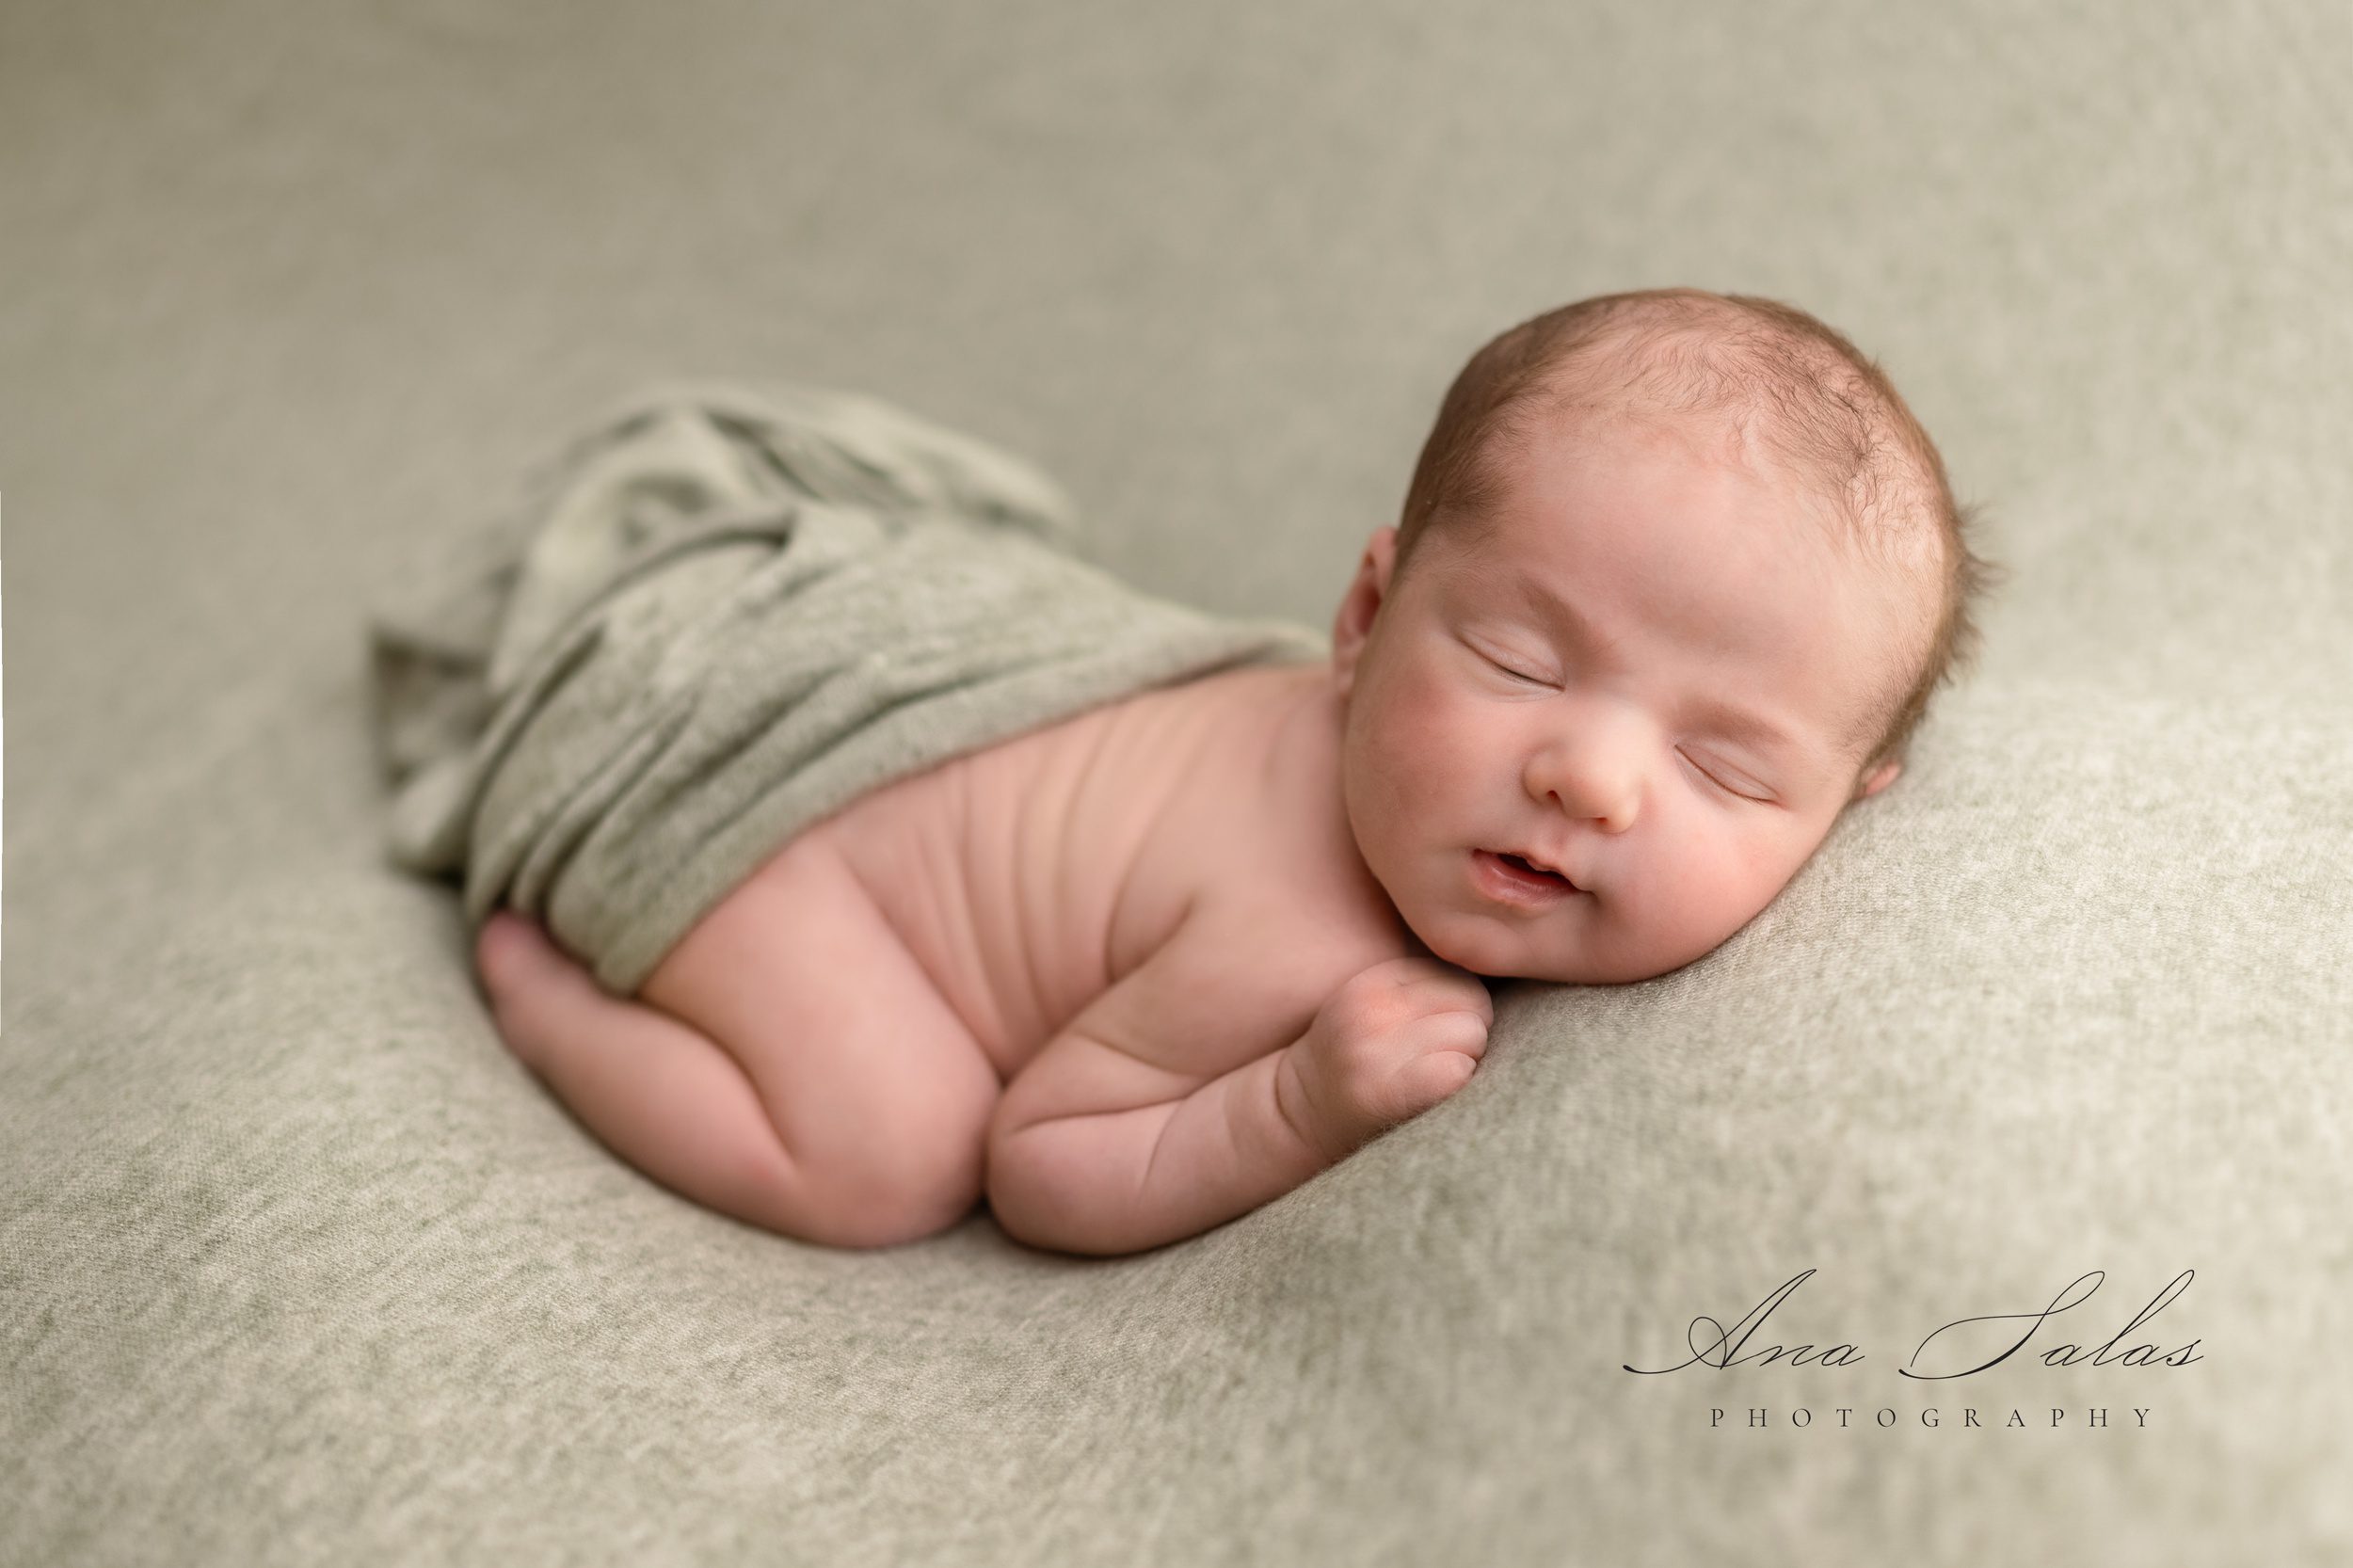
point(902, 1185)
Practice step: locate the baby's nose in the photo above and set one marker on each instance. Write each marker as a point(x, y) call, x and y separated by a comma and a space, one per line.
point(1593, 778)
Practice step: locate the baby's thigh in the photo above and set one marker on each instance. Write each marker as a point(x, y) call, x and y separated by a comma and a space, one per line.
point(871, 1078)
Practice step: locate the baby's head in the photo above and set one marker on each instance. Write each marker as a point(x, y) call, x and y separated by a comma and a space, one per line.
point(1676, 577)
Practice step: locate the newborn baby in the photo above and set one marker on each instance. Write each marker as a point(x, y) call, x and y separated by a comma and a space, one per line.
point(1676, 578)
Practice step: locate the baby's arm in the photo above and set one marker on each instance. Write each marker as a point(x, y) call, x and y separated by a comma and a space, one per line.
point(1190, 1094)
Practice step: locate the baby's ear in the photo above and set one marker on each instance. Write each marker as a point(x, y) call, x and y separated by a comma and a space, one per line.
point(1879, 778)
point(1352, 624)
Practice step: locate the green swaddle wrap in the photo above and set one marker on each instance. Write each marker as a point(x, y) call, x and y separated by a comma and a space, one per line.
point(721, 616)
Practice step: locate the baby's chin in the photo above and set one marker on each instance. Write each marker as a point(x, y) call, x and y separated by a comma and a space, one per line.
point(1500, 951)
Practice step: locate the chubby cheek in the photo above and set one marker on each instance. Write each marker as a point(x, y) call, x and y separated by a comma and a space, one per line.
point(1712, 881)
point(1412, 754)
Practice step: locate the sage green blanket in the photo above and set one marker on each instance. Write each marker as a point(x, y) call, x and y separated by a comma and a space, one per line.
point(299, 1266)
point(721, 616)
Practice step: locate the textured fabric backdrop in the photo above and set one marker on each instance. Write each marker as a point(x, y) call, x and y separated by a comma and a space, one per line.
point(297, 1265)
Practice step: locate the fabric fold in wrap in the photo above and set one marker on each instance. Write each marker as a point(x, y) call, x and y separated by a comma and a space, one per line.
point(720, 615)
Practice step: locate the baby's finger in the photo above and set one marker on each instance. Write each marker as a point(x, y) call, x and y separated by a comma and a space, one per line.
point(1458, 987)
point(1456, 1028)
point(1438, 1075)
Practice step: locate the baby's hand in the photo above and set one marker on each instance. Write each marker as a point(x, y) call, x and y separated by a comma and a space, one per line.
point(1392, 1042)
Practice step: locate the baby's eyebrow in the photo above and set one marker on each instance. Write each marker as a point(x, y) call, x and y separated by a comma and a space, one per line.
point(1740, 724)
point(1542, 597)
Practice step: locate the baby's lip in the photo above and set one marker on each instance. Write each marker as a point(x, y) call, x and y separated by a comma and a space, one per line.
point(1541, 864)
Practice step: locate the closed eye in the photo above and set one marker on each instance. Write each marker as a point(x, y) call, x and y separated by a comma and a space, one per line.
point(1516, 675)
point(1737, 795)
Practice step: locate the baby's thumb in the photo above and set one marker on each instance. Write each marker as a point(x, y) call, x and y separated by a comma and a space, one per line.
point(1437, 1075)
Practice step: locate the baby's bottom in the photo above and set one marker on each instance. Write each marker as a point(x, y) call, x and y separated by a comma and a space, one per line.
point(795, 1075)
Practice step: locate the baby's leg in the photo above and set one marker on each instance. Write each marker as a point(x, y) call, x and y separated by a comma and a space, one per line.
point(788, 1064)
point(658, 1093)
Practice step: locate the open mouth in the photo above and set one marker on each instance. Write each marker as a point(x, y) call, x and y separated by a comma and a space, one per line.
point(1528, 868)
point(1515, 879)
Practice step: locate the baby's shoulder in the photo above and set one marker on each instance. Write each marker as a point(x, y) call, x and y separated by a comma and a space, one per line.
point(1244, 971)
point(1261, 845)
point(1288, 936)
point(1303, 950)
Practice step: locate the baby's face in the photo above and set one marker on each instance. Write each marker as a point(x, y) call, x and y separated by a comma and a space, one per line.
point(1650, 677)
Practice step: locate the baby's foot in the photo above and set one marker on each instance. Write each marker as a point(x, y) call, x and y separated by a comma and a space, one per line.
point(534, 989)
point(513, 953)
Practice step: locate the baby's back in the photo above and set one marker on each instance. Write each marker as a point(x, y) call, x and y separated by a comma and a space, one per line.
point(1027, 878)
point(1067, 972)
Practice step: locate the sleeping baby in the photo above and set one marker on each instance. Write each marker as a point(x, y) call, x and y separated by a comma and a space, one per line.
point(1676, 578)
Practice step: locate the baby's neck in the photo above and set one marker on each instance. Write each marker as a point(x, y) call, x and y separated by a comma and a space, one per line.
point(1303, 773)
point(1303, 741)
